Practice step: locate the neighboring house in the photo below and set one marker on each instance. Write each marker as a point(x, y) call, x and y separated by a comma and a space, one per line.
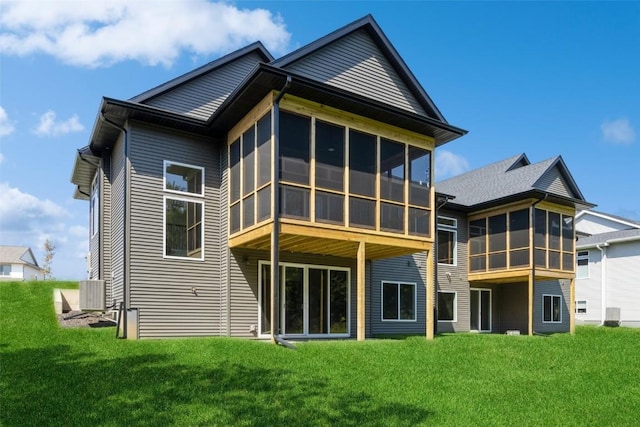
point(189, 210)
point(18, 263)
point(608, 269)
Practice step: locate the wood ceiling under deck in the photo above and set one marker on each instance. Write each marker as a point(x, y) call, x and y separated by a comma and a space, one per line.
point(308, 239)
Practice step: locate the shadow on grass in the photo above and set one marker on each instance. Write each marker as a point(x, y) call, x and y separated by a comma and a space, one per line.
point(60, 386)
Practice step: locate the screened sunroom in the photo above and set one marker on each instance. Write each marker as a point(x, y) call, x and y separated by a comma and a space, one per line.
point(341, 179)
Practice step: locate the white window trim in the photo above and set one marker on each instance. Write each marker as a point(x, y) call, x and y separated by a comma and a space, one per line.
point(415, 301)
point(165, 163)
point(581, 257)
point(455, 306)
point(543, 307)
point(94, 207)
point(164, 228)
point(452, 229)
point(585, 306)
point(306, 267)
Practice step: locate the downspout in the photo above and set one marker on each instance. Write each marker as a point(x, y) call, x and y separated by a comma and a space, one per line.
point(435, 263)
point(533, 249)
point(125, 224)
point(275, 234)
point(602, 247)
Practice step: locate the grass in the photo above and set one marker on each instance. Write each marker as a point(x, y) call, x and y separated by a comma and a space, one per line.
point(50, 376)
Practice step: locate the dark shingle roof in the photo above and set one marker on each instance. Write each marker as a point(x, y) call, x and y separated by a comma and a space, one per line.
point(504, 179)
point(589, 241)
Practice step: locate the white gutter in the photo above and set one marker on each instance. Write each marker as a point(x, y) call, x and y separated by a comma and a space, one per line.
point(603, 249)
point(607, 242)
point(623, 239)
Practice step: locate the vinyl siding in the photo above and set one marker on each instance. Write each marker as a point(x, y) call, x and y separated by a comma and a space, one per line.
point(551, 287)
point(592, 224)
point(554, 183)
point(454, 278)
point(590, 290)
point(202, 96)
point(356, 64)
point(100, 244)
point(117, 220)
point(224, 249)
point(95, 247)
point(243, 271)
point(162, 289)
point(105, 229)
point(623, 281)
point(408, 269)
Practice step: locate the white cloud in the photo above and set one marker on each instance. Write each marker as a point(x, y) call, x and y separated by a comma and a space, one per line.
point(26, 220)
point(618, 131)
point(1, 158)
point(19, 211)
point(6, 127)
point(48, 126)
point(102, 32)
point(448, 164)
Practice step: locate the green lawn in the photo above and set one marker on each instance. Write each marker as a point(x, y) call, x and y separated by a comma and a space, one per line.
point(51, 376)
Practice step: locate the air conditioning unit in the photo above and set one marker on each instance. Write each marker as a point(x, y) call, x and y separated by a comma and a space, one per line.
point(612, 317)
point(93, 295)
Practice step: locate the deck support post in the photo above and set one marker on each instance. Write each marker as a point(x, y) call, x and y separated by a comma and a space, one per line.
point(430, 280)
point(360, 281)
point(530, 303)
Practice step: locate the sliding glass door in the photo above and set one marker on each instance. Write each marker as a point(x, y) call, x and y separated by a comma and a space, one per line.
point(480, 310)
point(314, 300)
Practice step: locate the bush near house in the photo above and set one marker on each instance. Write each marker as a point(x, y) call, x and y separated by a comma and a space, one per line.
point(54, 376)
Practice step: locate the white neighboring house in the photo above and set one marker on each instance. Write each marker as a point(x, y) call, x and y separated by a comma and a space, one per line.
point(608, 268)
point(19, 263)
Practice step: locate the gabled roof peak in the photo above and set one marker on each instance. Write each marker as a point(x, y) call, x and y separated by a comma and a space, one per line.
point(614, 218)
point(256, 47)
point(368, 24)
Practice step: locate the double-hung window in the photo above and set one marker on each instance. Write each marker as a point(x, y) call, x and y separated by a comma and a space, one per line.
point(183, 210)
point(447, 237)
point(398, 301)
point(581, 307)
point(5, 270)
point(552, 309)
point(582, 268)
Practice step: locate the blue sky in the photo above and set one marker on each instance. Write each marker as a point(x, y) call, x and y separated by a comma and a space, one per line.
point(543, 78)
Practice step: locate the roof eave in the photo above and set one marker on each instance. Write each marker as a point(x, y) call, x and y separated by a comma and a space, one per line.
point(534, 193)
point(84, 169)
point(118, 112)
point(266, 78)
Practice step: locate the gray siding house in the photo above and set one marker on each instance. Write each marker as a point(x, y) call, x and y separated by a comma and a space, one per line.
point(319, 162)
